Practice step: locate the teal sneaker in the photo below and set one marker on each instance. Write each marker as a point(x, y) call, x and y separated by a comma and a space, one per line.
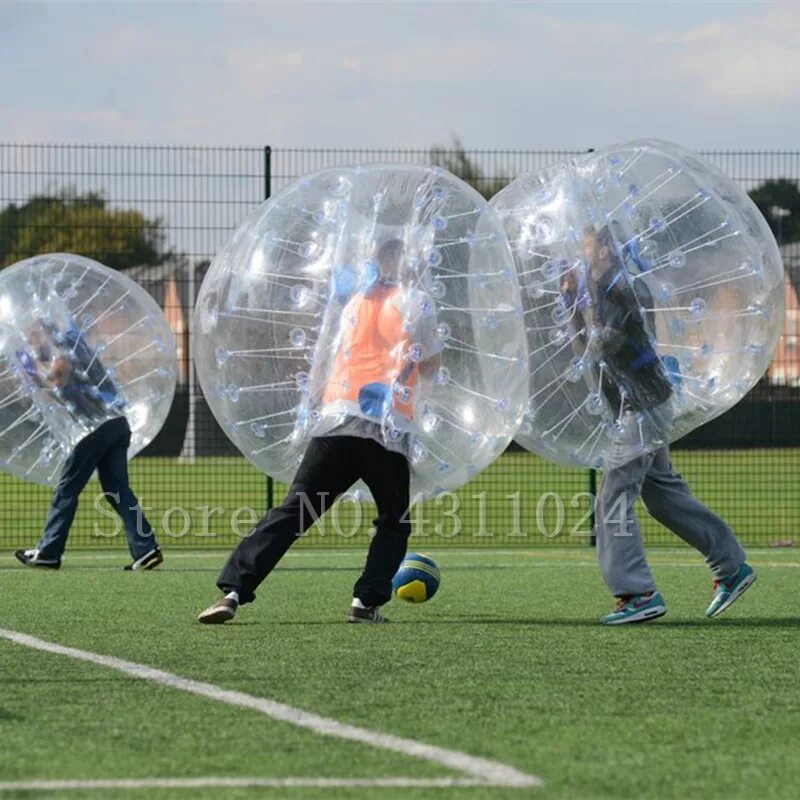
point(729, 590)
point(636, 608)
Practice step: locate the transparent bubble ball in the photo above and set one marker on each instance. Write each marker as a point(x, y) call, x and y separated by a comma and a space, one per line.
point(653, 303)
point(80, 344)
point(354, 302)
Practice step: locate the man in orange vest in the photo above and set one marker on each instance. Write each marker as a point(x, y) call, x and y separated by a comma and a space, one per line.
point(386, 343)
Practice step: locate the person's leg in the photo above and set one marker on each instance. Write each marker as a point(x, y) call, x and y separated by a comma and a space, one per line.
point(75, 474)
point(670, 501)
point(113, 472)
point(387, 475)
point(620, 549)
point(328, 470)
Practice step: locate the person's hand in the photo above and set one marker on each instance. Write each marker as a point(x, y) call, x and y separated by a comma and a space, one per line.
point(593, 343)
point(603, 342)
point(430, 366)
point(60, 371)
point(612, 340)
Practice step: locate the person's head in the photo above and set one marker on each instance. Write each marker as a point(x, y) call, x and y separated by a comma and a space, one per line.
point(389, 257)
point(598, 248)
point(34, 333)
point(37, 336)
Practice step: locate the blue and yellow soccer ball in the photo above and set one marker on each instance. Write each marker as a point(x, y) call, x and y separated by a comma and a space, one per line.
point(417, 579)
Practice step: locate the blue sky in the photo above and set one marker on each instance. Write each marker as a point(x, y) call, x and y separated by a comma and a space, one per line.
point(503, 74)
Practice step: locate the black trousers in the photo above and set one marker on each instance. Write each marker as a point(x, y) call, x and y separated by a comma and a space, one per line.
point(331, 465)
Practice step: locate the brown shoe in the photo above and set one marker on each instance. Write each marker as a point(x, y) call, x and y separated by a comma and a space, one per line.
point(220, 611)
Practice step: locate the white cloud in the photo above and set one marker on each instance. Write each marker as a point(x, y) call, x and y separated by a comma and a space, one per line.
point(406, 75)
point(754, 60)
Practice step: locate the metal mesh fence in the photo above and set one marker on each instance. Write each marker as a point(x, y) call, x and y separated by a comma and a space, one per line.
point(161, 213)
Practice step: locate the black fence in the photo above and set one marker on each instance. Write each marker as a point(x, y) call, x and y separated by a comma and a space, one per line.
point(161, 213)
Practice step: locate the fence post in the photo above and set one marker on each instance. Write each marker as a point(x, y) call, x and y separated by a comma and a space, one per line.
point(593, 493)
point(592, 473)
point(267, 194)
point(189, 448)
point(267, 172)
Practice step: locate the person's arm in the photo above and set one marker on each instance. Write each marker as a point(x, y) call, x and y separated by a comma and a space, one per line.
point(424, 335)
point(571, 295)
point(430, 366)
point(619, 307)
point(30, 366)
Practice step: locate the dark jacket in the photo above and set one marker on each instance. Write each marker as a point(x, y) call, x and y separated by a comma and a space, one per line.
point(632, 367)
point(90, 390)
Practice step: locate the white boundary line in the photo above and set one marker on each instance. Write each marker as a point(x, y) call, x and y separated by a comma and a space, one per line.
point(484, 770)
point(227, 783)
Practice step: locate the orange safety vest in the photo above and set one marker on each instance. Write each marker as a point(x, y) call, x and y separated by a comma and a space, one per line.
point(373, 349)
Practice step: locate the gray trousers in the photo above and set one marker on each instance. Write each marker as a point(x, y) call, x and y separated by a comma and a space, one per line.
point(620, 548)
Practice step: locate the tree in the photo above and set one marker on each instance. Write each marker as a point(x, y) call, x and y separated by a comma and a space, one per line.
point(81, 224)
point(778, 200)
point(456, 160)
point(774, 199)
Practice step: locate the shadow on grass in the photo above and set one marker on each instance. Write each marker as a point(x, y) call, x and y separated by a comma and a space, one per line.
point(785, 623)
point(765, 622)
point(745, 622)
point(238, 623)
point(355, 567)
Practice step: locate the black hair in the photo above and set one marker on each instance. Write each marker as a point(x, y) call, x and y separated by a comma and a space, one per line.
point(390, 249)
point(605, 238)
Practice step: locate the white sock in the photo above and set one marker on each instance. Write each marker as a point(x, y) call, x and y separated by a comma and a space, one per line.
point(357, 603)
point(232, 596)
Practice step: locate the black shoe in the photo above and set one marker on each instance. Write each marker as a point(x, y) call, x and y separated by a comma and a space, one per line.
point(32, 558)
point(148, 561)
point(370, 614)
point(218, 612)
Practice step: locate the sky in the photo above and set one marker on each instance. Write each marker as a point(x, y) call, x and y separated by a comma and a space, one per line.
point(497, 75)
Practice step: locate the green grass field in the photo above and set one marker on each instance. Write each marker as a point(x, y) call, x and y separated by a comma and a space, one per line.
point(519, 500)
point(506, 663)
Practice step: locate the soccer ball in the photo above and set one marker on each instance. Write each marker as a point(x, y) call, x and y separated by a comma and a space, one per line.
point(417, 579)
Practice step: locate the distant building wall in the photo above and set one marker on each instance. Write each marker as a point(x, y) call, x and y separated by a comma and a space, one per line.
point(785, 367)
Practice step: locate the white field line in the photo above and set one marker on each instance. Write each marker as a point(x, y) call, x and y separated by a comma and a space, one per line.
point(228, 783)
point(482, 769)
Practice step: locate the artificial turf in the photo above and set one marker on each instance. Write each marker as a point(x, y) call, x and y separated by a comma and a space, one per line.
point(507, 662)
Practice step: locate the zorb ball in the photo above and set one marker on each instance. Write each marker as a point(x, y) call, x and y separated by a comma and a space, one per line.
point(376, 301)
point(80, 344)
point(653, 297)
point(417, 580)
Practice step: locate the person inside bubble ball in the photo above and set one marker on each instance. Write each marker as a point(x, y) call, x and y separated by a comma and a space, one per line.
point(381, 382)
point(613, 328)
point(381, 353)
point(65, 364)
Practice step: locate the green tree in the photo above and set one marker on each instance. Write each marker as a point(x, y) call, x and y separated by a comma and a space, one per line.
point(779, 201)
point(82, 224)
point(456, 160)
